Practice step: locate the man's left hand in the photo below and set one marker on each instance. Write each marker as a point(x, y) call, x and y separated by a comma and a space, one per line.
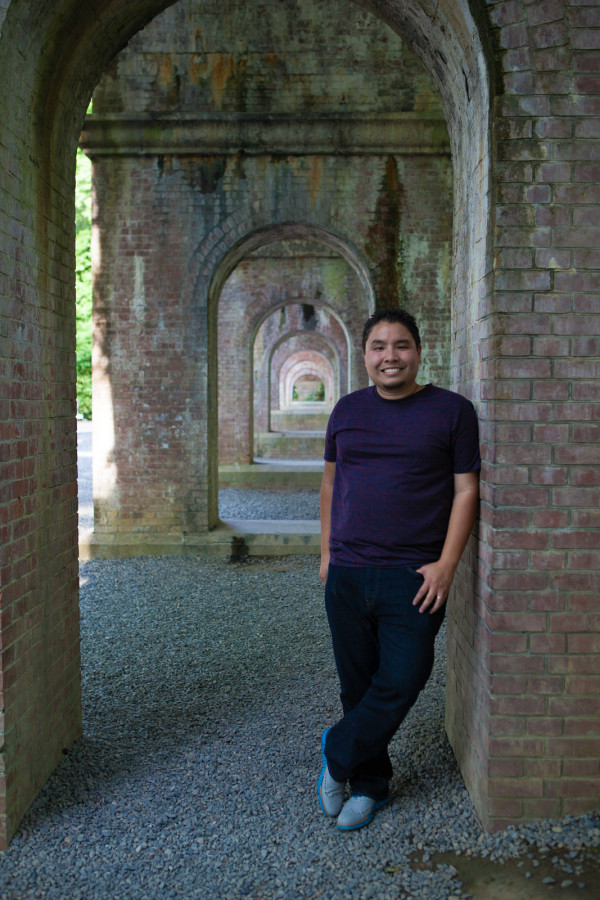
point(433, 593)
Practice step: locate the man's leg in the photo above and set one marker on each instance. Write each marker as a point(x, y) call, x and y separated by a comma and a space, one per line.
point(357, 746)
point(353, 633)
point(356, 650)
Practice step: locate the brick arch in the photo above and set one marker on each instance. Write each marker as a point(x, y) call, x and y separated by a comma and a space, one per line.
point(222, 268)
point(219, 257)
point(318, 304)
point(60, 51)
point(519, 349)
point(279, 363)
point(275, 368)
point(301, 363)
point(266, 393)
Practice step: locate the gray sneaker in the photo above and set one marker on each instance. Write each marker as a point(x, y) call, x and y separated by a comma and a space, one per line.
point(331, 792)
point(358, 811)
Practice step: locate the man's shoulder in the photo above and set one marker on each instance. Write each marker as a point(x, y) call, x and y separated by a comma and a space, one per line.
point(353, 399)
point(446, 396)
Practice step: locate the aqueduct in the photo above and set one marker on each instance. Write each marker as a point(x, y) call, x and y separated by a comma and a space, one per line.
point(518, 88)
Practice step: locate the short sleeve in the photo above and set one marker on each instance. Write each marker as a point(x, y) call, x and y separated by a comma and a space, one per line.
point(330, 454)
point(466, 456)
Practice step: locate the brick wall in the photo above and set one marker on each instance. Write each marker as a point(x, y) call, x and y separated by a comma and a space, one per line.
point(535, 722)
point(166, 220)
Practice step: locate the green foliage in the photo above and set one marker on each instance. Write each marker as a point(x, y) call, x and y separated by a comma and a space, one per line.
point(83, 285)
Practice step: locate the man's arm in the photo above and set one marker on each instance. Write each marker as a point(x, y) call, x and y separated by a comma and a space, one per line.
point(439, 575)
point(325, 507)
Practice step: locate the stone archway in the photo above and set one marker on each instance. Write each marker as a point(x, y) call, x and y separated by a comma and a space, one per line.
point(60, 52)
point(299, 365)
point(523, 642)
point(353, 300)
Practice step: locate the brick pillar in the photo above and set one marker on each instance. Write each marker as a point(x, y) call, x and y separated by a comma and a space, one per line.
point(526, 718)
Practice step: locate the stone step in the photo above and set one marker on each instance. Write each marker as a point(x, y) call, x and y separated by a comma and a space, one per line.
point(290, 445)
point(286, 420)
point(266, 474)
point(233, 538)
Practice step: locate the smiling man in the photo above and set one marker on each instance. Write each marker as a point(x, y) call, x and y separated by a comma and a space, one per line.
point(398, 501)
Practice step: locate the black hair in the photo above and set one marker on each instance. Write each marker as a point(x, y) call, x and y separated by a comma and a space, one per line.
point(391, 315)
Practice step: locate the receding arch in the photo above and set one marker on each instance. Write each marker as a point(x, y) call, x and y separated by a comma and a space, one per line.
point(332, 348)
point(224, 267)
point(318, 304)
point(300, 365)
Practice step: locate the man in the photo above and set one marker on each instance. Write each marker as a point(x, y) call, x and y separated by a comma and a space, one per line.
point(399, 498)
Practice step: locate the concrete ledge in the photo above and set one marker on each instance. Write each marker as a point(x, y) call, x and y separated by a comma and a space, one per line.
point(272, 475)
point(115, 134)
point(234, 538)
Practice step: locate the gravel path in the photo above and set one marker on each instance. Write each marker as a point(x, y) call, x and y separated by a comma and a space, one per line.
point(206, 686)
point(234, 503)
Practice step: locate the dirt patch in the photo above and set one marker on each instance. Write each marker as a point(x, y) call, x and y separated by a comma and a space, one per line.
point(568, 874)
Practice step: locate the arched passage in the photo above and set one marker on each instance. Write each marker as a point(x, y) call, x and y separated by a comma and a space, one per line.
point(250, 314)
point(51, 56)
point(269, 374)
point(61, 52)
point(310, 367)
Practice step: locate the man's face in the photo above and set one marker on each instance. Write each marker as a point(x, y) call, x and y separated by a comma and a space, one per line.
point(392, 360)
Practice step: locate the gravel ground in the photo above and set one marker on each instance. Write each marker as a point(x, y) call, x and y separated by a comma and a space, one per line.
point(235, 503)
point(206, 686)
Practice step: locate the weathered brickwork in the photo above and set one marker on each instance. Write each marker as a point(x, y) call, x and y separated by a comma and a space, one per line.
point(530, 723)
point(167, 214)
point(518, 85)
point(255, 290)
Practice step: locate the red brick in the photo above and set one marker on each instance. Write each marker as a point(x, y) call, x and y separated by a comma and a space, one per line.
point(508, 644)
point(582, 603)
point(550, 475)
point(576, 539)
point(517, 664)
point(524, 747)
point(553, 434)
point(509, 684)
point(531, 496)
point(516, 787)
point(505, 768)
point(580, 496)
point(544, 726)
point(549, 560)
point(533, 540)
point(551, 346)
point(572, 787)
point(547, 643)
point(507, 726)
point(585, 643)
point(574, 622)
point(500, 807)
point(574, 665)
point(544, 684)
point(577, 454)
point(541, 808)
point(522, 622)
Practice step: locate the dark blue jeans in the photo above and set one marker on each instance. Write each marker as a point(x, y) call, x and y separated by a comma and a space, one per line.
point(383, 649)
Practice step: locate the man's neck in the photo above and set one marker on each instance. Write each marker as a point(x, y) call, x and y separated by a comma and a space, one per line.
point(400, 395)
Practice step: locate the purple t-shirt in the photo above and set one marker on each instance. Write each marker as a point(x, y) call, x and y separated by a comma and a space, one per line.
point(394, 476)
